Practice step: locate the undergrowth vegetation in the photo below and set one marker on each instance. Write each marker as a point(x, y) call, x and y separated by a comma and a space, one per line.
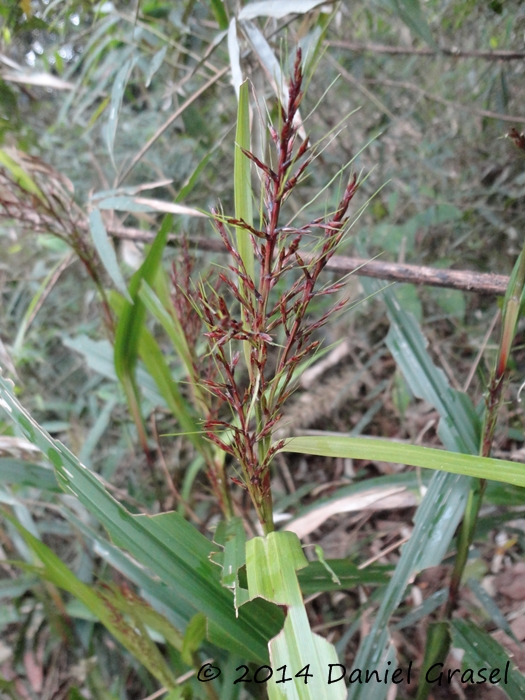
point(233, 463)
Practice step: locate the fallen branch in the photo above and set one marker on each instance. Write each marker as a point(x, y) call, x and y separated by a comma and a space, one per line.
point(465, 280)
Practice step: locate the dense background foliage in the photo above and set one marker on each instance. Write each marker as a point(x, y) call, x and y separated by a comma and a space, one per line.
point(83, 88)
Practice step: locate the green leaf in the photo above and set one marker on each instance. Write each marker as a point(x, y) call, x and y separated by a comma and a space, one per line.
point(409, 299)
point(18, 471)
point(127, 335)
point(133, 638)
point(158, 369)
point(106, 252)
point(96, 431)
point(156, 365)
point(143, 614)
point(512, 305)
point(388, 451)
point(130, 326)
point(268, 59)
point(193, 638)
point(443, 504)
point(320, 555)
point(434, 601)
point(412, 15)
point(166, 544)
point(234, 51)
point(155, 64)
point(99, 356)
point(16, 587)
point(194, 177)
point(151, 588)
point(35, 301)
point(318, 576)
point(434, 525)
point(243, 196)
point(491, 608)
point(173, 328)
point(459, 427)
point(20, 176)
point(271, 564)
point(219, 11)
point(117, 93)
point(484, 652)
point(231, 537)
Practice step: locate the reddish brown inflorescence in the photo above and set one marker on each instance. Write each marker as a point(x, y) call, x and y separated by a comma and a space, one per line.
point(262, 321)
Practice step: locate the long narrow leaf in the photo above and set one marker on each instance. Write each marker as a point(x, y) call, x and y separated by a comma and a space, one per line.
point(412, 15)
point(106, 251)
point(167, 544)
point(20, 175)
point(243, 194)
point(127, 334)
point(427, 546)
point(235, 57)
point(242, 179)
point(173, 328)
point(131, 637)
point(219, 11)
point(398, 453)
point(484, 652)
point(130, 326)
point(271, 565)
point(18, 471)
point(268, 60)
point(156, 365)
point(444, 502)
point(117, 93)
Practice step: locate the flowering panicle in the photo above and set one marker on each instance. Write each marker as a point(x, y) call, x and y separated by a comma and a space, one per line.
point(267, 325)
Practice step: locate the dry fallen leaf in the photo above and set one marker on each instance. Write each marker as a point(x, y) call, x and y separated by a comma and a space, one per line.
point(373, 499)
point(512, 582)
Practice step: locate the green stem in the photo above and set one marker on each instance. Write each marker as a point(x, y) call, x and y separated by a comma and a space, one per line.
point(511, 309)
point(220, 484)
point(493, 404)
point(465, 539)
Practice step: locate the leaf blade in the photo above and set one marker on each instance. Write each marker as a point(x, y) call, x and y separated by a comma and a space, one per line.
point(106, 252)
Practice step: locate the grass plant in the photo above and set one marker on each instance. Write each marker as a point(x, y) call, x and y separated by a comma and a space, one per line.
point(126, 583)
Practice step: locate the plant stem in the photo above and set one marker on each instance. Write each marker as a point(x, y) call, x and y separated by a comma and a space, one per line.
point(493, 404)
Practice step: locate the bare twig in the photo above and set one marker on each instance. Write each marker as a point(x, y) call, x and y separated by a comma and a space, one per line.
point(465, 280)
point(480, 352)
point(346, 75)
point(52, 282)
point(169, 481)
point(501, 55)
point(383, 552)
point(170, 121)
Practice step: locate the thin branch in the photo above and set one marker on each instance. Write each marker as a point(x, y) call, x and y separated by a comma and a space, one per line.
point(353, 81)
point(480, 352)
point(51, 284)
point(170, 121)
point(465, 280)
point(501, 55)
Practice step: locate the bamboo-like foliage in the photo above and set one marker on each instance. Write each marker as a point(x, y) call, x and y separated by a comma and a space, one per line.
point(257, 315)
